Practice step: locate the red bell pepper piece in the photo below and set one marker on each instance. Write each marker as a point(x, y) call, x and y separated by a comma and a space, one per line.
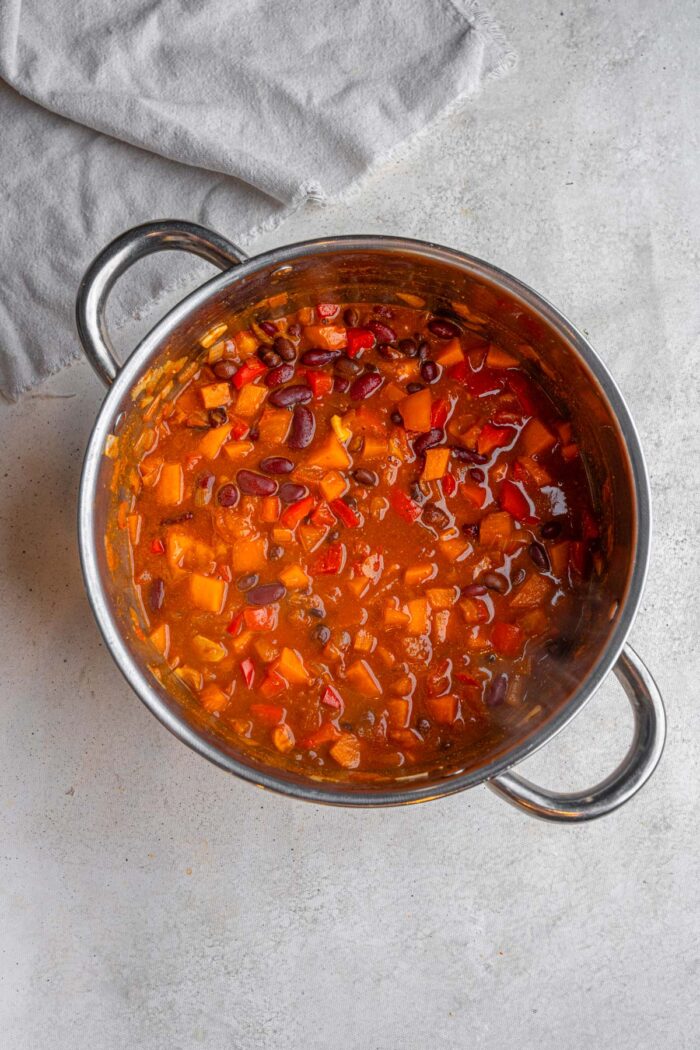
point(323, 515)
point(157, 546)
point(296, 512)
point(327, 310)
point(466, 679)
point(459, 372)
point(235, 623)
point(404, 506)
point(449, 485)
point(268, 714)
point(263, 618)
point(248, 371)
point(522, 390)
point(332, 698)
point(248, 671)
point(346, 514)
point(519, 472)
point(239, 429)
point(272, 685)
point(439, 413)
point(484, 382)
point(331, 561)
point(359, 339)
point(514, 500)
point(321, 383)
point(507, 639)
point(491, 437)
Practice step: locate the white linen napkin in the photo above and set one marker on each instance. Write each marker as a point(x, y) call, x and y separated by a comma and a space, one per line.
point(229, 113)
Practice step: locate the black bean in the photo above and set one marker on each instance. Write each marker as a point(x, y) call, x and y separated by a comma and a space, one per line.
point(255, 484)
point(350, 501)
point(470, 530)
point(316, 612)
point(496, 692)
point(275, 553)
point(408, 347)
point(321, 633)
point(539, 556)
point(319, 358)
point(465, 455)
point(292, 492)
point(268, 327)
point(550, 530)
point(351, 317)
point(254, 433)
point(396, 418)
point(346, 366)
point(266, 594)
point(416, 493)
point(423, 726)
point(365, 477)
point(495, 582)
point(268, 356)
point(430, 371)
point(434, 516)
point(303, 428)
point(423, 350)
point(341, 384)
point(371, 367)
point(247, 581)
point(413, 388)
point(381, 332)
point(224, 369)
point(389, 353)
point(276, 465)
point(227, 496)
point(428, 440)
point(472, 590)
point(156, 594)
point(218, 416)
point(290, 395)
point(278, 376)
point(364, 386)
point(444, 329)
point(284, 347)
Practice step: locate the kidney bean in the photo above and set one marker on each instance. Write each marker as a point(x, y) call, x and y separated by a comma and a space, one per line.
point(303, 428)
point(518, 577)
point(496, 692)
point(476, 474)
point(396, 418)
point(347, 367)
point(321, 634)
point(275, 553)
point(473, 590)
point(539, 556)
point(550, 530)
point(428, 440)
point(423, 350)
point(227, 496)
point(408, 347)
point(224, 369)
point(389, 353)
point(292, 492)
point(268, 356)
point(381, 332)
point(290, 395)
point(276, 465)
point(444, 329)
point(266, 594)
point(218, 416)
point(465, 455)
point(268, 327)
point(364, 386)
point(413, 388)
point(255, 484)
point(495, 582)
point(156, 594)
point(435, 516)
point(351, 317)
point(367, 478)
point(278, 376)
point(341, 384)
point(248, 581)
point(284, 347)
point(429, 371)
point(319, 358)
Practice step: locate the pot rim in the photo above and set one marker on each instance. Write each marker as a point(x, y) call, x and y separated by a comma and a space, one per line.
point(332, 792)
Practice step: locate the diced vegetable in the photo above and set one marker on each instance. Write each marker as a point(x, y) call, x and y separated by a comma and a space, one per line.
point(436, 463)
point(215, 395)
point(321, 383)
point(213, 698)
point(499, 358)
point(332, 698)
point(291, 666)
point(239, 449)
point(507, 639)
point(361, 677)
point(416, 411)
point(249, 400)
point(492, 437)
point(249, 555)
point(535, 438)
point(404, 507)
point(311, 536)
point(332, 485)
point(513, 500)
point(268, 714)
point(160, 639)
point(345, 513)
point(296, 512)
point(327, 336)
point(331, 561)
point(451, 354)
point(536, 590)
point(283, 738)
point(419, 573)
point(331, 455)
point(473, 492)
point(346, 751)
point(456, 549)
point(261, 618)
point(207, 593)
point(207, 650)
point(294, 577)
point(272, 685)
point(442, 597)
point(496, 530)
point(170, 487)
point(417, 610)
point(359, 339)
point(442, 709)
point(248, 371)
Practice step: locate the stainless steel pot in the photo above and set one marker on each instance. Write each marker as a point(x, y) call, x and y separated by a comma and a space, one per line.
point(369, 267)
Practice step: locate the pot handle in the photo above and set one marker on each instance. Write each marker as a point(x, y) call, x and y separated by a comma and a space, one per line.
point(117, 257)
point(632, 773)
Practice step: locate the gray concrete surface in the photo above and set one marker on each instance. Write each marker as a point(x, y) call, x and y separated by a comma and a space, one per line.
point(150, 901)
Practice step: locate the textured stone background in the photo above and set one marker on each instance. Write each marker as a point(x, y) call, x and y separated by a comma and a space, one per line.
point(148, 900)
